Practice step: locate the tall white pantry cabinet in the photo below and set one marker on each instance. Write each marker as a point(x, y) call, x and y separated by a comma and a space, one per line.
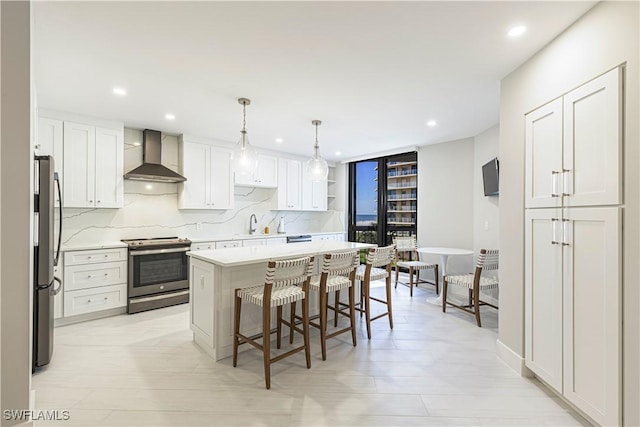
point(573, 246)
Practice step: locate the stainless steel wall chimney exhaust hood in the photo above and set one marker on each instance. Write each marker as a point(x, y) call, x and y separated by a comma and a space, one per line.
point(151, 168)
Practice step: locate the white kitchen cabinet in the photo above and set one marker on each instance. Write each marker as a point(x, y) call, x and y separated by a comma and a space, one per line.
point(573, 248)
point(253, 242)
point(321, 237)
point(209, 176)
point(201, 296)
point(265, 176)
point(314, 193)
point(572, 305)
point(94, 280)
point(573, 147)
point(50, 142)
point(93, 166)
point(276, 241)
point(203, 246)
point(289, 184)
point(58, 300)
point(228, 244)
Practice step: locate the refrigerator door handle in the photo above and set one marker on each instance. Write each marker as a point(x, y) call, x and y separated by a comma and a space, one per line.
point(56, 291)
point(56, 178)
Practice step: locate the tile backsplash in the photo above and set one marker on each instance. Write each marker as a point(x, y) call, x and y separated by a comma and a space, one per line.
point(151, 209)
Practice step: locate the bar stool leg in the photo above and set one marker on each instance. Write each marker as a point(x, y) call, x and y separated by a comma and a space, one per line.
point(292, 320)
point(367, 306)
point(411, 282)
point(336, 310)
point(266, 344)
point(236, 327)
point(305, 328)
point(279, 327)
point(388, 280)
point(352, 313)
point(323, 321)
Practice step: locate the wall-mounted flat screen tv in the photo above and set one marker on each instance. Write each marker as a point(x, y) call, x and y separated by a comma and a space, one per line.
point(490, 174)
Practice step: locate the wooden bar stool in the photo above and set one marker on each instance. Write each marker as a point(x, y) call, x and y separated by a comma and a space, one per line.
point(487, 260)
point(378, 266)
point(281, 287)
point(338, 273)
point(409, 244)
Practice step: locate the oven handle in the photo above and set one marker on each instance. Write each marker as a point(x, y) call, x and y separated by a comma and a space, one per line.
point(158, 251)
point(158, 297)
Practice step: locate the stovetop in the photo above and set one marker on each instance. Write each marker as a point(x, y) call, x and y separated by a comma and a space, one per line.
point(157, 241)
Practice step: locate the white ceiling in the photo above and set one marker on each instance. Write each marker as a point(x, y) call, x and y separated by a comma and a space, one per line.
point(373, 72)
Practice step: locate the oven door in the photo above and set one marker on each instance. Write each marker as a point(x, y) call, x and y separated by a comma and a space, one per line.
point(156, 271)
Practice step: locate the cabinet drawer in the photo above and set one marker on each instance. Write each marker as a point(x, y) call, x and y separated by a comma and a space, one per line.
point(228, 244)
point(94, 256)
point(97, 299)
point(93, 275)
point(203, 246)
point(254, 242)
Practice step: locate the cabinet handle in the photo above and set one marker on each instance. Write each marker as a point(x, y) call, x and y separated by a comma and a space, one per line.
point(554, 227)
point(554, 183)
point(89, 277)
point(98, 201)
point(89, 257)
point(565, 237)
point(565, 182)
point(106, 274)
point(90, 201)
point(106, 256)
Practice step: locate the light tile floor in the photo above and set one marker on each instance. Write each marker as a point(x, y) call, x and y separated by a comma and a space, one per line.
point(431, 369)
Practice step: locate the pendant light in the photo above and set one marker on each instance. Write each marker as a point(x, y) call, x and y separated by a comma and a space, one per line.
point(317, 167)
point(245, 158)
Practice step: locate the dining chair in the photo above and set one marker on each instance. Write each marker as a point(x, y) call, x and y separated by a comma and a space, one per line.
point(337, 274)
point(476, 282)
point(409, 246)
point(377, 267)
point(281, 287)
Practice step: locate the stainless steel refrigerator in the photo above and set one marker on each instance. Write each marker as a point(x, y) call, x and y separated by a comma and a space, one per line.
point(46, 253)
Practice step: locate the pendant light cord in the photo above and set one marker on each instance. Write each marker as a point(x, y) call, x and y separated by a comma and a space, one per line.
point(316, 146)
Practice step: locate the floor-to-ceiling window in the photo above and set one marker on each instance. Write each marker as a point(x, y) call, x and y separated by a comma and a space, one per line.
point(383, 198)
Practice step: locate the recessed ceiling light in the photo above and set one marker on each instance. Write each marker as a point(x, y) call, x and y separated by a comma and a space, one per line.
point(119, 91)
point(169, 116)
point(137, 143)
point(431, 123)
point(517, 31)
point(338, 153)
point(279, 140)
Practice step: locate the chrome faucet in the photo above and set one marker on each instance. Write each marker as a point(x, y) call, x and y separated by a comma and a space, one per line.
point(253, 223)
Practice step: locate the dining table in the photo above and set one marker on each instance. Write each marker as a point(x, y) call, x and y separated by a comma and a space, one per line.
point(444, 254)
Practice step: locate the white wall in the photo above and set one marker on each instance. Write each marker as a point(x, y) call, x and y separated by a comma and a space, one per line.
point(485, 208)
point(151, 209)
point(446, 198)
point(15, 218)
point(602, 39)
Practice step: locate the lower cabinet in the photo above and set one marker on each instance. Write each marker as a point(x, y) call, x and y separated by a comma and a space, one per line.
point(253, 242)
point(90, 300)
point(201, 297)
point(93, 282)
point(573, 316)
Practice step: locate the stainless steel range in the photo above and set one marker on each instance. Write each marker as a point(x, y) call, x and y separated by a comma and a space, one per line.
point(158, 273)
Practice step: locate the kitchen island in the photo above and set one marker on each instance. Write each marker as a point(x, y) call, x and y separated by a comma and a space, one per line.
point(215, 274)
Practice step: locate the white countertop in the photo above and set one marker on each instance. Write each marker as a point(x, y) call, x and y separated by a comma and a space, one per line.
point(88, 246)
point(230, 257)
point(221, 237)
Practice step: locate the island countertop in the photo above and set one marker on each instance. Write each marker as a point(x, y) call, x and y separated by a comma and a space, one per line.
point(230, 257)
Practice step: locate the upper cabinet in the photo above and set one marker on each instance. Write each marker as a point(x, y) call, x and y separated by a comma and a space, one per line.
point(50, 140)
point(265, 176)
point(289, 184)
point(314, 193)
point(93, 166)
point(209, 183)
point(573, 147)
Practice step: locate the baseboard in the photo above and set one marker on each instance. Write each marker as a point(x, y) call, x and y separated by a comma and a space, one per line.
point(512, 359)
point(64, 321)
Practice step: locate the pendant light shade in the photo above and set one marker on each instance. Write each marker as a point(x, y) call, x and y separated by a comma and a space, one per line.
point(245, 158)
point(317, 167)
